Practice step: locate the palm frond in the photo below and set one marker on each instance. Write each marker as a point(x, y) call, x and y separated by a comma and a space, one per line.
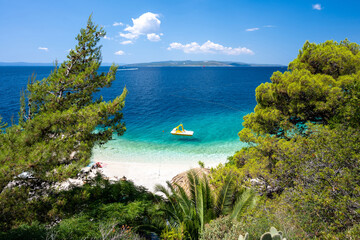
point(172, 200)
point(193, 179)
point(162, 189)
point(208, 200)
point(182, 200)
point(224, 198)
point(200, 208)
point(171, 187)
point(245, 201)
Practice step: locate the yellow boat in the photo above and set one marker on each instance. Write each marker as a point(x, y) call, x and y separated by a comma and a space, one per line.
point(179, 130)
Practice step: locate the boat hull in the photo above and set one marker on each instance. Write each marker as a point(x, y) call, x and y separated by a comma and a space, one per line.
point(183, 133)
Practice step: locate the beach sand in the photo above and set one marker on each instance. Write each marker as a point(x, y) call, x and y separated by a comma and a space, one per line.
point(149, 165)
point(146, 174)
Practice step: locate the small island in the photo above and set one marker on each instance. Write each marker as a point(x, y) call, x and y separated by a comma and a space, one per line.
point(189, 63)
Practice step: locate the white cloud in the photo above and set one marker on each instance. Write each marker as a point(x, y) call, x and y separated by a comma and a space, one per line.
point(119, 53)
point(153, 37)
point(117, 24)
point(209, 47)
point(147, 23)
point(252, 29)
point(43, 48)
point(108, 38)
point(257, 28)
point(317, 6)
point(126, 42)
point(129, 35)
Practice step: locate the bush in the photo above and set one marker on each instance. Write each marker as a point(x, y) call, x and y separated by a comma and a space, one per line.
point(353, 233)
point(274, 212)
point(89, 207)
point(175, 233)
point(222, 228)
point(80, 212)
point(26, 232)
point(316, 174)
point(82, 228)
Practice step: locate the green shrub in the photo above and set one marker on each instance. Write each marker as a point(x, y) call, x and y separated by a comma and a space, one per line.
point(353, 233)
point(274, 212)
point(83, 210)
point(82, 228)
point(89, 207)
point(175, 233)
point(222, 228)
point(25, 232)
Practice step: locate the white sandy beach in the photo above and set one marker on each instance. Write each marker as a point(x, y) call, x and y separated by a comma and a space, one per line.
point(148, 165)
point(145, 174)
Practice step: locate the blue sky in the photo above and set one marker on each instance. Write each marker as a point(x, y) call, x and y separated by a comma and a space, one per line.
point(253, 31)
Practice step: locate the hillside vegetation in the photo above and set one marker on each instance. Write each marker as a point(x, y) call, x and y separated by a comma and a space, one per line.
point(303, 144)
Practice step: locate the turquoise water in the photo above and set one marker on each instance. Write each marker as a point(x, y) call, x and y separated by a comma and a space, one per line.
point(209, 101)
point(214, 140)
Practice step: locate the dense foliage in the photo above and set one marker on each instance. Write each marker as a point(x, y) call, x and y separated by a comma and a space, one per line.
point(95, 205)
point(222, 228)
point(322, 87)
point(303, 139)
point(89, 211)
point(189, 212)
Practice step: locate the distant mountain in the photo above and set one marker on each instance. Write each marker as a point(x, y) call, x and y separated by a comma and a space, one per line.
point(186, 63)
point(189, 63)
point(108, 64)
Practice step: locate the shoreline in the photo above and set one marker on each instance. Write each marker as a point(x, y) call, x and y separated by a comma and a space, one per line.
point(146, 174)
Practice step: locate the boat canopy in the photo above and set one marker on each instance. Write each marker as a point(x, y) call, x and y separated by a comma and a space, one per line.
point(179, 130)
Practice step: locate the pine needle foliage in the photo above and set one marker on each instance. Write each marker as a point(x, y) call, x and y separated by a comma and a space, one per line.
point(2, 125)
point(303, 138)
point(60, 121)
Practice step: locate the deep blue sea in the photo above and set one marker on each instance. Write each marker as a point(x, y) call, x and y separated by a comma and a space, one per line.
point(210, 101)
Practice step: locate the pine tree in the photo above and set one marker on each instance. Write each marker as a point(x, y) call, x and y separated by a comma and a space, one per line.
point(60, 121)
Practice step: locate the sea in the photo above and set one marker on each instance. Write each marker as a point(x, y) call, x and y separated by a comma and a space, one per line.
point(211, 101)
